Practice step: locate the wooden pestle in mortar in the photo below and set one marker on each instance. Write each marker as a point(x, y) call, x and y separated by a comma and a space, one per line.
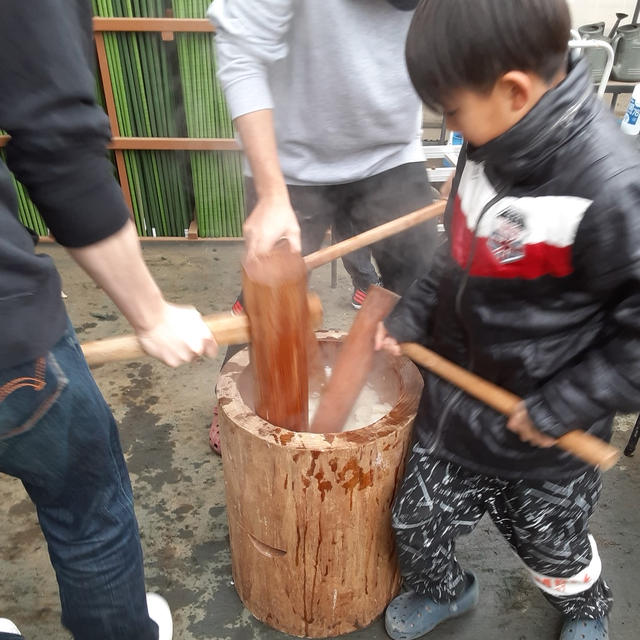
point(353, 363)
point(284, 352)
point(275, 299)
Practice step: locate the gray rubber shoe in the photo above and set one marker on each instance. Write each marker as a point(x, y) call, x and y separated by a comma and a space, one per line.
point(575, 629)
point(411, 615)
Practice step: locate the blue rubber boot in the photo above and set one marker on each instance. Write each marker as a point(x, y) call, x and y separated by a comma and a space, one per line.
point(575, 629)
point(411, 615)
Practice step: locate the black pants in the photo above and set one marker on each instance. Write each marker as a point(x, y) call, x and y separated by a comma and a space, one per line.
point(545, 522)
point(354, 207)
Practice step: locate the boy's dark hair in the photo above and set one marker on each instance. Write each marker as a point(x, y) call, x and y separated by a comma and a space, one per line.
point(469, 44)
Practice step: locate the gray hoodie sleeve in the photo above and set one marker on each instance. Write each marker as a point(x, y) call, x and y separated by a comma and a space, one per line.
point(250, 35)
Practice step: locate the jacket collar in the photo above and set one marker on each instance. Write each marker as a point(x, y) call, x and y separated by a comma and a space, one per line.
point(521, 153)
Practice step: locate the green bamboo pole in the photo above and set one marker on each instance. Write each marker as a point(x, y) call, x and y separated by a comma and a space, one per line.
point(145, 105)
point(216, 180)
point(141, 82)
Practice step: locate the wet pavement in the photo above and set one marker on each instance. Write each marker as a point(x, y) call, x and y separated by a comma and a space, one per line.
point(164, 418)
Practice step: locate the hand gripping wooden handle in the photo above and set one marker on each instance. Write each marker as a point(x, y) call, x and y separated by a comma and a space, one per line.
point(386, 230)
point(581, 444)
point(226, 329)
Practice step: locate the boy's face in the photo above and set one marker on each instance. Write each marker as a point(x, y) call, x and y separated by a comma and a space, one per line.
point(482, 116)
point(479, 117)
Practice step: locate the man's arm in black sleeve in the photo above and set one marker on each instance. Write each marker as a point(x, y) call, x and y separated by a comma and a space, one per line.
point(58, 132)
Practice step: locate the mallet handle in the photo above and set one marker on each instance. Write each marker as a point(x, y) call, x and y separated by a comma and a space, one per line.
point(226, 329)
point(581, 444)
point(323, 256)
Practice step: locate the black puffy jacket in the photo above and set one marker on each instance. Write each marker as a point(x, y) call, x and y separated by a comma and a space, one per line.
point(537, 287)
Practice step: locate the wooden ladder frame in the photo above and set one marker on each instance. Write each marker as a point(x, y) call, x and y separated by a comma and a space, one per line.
point(167, 27)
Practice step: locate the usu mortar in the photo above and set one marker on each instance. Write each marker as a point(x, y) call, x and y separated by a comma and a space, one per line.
point(310, 514)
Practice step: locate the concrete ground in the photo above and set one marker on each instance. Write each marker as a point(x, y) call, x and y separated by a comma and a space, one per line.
point(164, 419)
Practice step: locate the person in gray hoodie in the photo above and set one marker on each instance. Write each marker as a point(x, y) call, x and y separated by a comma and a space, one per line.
point(328, 121)
point(330, 126)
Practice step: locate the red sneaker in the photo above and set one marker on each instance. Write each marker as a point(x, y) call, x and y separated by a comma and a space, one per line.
point(358, 298)
point(237, 308)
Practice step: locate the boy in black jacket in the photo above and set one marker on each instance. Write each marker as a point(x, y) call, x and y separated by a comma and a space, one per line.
point(536, 289)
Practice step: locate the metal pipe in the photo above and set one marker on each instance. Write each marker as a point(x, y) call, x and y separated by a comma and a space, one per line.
point(598, 44)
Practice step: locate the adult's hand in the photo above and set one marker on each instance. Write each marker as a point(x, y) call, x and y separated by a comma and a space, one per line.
point(179, 336)
point(171, 333)
point(271, 220)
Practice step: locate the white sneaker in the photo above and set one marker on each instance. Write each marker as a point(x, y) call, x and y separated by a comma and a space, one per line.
point(6, 626)
point(160, 613)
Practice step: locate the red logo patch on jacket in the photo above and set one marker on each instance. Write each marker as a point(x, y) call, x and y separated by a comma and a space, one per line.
point(526, 237)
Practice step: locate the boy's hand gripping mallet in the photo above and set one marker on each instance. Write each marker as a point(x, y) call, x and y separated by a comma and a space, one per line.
point(581, 444)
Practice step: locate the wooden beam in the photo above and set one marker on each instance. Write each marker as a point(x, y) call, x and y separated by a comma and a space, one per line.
point(175, 144)
point(192, 233)
point(161, 25)
point(119, 143)
point(105, 77)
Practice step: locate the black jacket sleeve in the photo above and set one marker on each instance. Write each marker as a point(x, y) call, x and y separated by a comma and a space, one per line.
point(409, 320)
point(58, 132)
point(607, 378)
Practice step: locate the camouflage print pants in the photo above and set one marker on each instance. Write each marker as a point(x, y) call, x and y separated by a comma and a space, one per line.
point(546, 524)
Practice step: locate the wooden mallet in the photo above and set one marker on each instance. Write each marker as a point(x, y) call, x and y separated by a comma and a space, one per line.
point(583, 445)
point(353, 364)
point(274, 288)
point(354, 360)
point(283, 349)
point(386, 230)
point(226, 329)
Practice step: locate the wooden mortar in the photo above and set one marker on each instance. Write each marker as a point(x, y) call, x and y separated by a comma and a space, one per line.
point(310, 514)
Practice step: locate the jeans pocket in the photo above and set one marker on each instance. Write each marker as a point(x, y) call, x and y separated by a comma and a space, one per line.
point(27, 393)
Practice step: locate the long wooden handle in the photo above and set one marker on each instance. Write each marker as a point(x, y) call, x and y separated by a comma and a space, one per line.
point(323, 256)
point(226, 329)
point(581, 444)
point(353, 363)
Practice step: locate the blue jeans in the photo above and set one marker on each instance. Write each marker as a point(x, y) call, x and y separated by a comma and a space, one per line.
point(58, 436)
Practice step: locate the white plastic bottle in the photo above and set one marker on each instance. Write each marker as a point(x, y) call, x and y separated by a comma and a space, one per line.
point(631, 121)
